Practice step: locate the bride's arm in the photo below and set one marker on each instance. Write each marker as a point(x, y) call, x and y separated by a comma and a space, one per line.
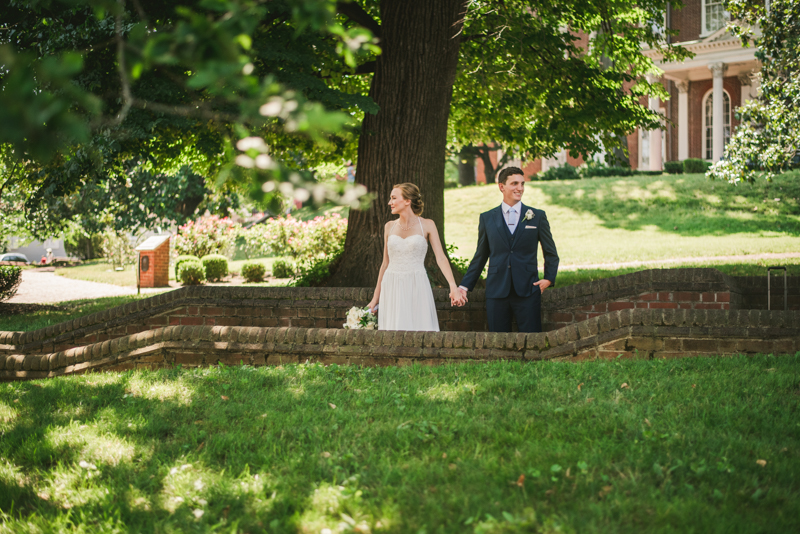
point(441, 260)
point(376, 297)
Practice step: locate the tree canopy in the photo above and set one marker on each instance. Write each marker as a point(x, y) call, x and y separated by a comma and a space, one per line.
point(767, 140)
point(98, 93)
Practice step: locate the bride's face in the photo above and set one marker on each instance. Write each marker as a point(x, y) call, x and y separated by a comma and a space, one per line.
point(397, 202)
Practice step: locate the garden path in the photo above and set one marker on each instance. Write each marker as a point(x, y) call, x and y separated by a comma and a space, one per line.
point(39, 287)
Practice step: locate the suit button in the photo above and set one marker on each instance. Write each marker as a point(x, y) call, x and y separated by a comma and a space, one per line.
point(509, 266)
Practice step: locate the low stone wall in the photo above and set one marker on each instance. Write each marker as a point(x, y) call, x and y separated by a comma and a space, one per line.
point(327, 307)
point(645, 333)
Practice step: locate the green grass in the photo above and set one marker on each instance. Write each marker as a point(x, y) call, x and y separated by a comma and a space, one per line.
point(645, 218)
point(621, 446)
point(751, 268)
point(100, 271)
point(63, 311)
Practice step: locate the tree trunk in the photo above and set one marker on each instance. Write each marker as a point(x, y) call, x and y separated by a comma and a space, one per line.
point(466, 166)
point(406, 140)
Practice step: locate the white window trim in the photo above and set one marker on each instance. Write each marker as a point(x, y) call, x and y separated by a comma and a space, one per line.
point(730, 119)
point(703, 32)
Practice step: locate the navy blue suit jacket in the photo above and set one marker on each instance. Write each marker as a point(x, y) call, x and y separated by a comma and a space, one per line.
point(512, 258)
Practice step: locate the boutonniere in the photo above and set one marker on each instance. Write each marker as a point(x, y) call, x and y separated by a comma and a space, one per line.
point(529, 215)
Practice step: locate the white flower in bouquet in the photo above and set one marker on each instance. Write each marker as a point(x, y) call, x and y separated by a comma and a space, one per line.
point(358, 318)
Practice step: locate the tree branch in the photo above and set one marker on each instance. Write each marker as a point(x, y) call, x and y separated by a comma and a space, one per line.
point(356, 13)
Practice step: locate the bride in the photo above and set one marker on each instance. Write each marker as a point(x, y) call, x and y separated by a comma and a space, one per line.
point(403, 290)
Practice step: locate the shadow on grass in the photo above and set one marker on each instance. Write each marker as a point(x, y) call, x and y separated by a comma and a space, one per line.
point(688, 205)
point(302, 448)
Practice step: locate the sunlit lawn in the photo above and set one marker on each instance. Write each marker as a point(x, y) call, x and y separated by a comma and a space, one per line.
point(645, 218)
point(694, 445)
point(100, 271)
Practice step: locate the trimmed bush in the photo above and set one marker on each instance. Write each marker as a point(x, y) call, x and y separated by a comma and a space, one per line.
point(673, 167)
point(10, 278)
point(598, 170)
point(695, 165)
point(191, 273)
point(283, 269)
point(253, 271)
point(216, 266)
point(182, 259)
point(564, 172)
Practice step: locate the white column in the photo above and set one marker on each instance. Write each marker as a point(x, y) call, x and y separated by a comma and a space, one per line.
point(655, 135)
point(718, 144)
point(683, 119)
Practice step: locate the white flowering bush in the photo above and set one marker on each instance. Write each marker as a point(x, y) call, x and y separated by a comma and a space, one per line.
point(361, 318)
point(303, 241)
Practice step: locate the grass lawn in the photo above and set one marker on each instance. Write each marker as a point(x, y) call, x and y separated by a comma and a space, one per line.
point(644, 217)
point(63, 311)
point(100, 271)
point(693, 445)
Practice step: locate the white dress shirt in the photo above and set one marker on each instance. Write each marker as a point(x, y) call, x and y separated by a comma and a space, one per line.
point(511, 215)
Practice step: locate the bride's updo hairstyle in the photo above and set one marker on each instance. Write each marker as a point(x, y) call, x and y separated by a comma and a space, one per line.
point(411, 192)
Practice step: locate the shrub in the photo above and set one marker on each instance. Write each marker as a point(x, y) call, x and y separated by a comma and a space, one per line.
point(594, 169)
point(314, 273)
point(648, 173)
point(10, 278)
point(191, 273)
point(182, 259)
point(207, 235)
point(673, 167)
point(216, 267)
point(283, 269)
point(695, 165)
point(253, 271)
point(564, 172)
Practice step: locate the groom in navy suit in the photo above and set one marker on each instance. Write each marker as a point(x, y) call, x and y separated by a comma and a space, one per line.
point(509, 237)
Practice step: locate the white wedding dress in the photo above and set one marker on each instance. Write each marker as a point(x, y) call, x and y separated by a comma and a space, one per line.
point(406, 301)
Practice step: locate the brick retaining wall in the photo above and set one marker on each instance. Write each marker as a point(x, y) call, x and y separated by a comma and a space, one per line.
point(327, 307)
point(646, 333)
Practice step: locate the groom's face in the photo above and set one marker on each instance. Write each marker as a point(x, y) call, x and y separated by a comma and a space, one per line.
point(513, 188)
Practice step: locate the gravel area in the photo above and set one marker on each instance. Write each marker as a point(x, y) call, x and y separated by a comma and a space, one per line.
point(39, 287)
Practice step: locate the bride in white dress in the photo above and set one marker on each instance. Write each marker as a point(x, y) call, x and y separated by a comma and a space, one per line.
point(403, 290)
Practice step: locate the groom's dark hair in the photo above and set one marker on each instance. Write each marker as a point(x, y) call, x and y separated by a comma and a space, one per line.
point(508, 171)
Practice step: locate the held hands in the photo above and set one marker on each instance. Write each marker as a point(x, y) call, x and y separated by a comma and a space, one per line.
point(543, 284)
point(458, 297)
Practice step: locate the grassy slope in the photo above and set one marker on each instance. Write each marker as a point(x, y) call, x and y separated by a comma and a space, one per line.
point(645, 218)
point(302, 448)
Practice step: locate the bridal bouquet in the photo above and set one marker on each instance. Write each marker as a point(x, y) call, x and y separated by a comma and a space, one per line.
point(358, 318)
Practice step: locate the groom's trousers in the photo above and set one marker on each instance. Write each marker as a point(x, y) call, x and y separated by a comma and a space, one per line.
point(527, 311)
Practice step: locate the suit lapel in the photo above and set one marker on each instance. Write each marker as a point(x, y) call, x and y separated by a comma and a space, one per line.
point(502, 227)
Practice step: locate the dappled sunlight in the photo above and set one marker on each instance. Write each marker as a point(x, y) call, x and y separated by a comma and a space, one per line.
point(449, 392)
point(339, 509)
point(606, 220)
point(176, 392)
point(91, 445)
point(7, 413)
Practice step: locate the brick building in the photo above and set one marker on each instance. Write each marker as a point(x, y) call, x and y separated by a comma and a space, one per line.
point(704, 93)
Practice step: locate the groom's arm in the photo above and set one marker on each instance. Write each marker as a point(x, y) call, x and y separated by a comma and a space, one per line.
point(478, 260)
point(548, 250)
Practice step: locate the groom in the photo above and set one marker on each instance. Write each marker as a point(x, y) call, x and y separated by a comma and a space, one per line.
point(509, 237)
